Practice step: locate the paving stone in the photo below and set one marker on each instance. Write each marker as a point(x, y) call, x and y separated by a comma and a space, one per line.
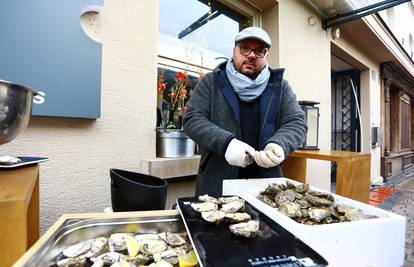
point(404, 205)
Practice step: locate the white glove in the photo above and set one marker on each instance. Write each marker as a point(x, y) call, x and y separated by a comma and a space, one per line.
point(271, 156)
point(239, 153)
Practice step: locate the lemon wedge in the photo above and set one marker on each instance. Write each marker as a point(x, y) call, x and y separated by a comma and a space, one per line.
point(132, 245)
point(188, 260)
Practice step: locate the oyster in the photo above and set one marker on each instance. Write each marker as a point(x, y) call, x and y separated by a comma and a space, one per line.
point(152, 246)
point(237, 217)
point(170, 256)
point(247, 229)
point(303, 203)
point(290, 185)
point(302, 188)
point(226, 200)
point(285, 197)
point(322, 195)
point(142, 237)
point(98, 245)
point(342, 208)
point(9, 160)
point(172, 239)
point(319, 214)
point(318, 201)
point(267, 200)
point(140, 259)
point(207, 198)
point(204, 206)
point(77, 249)
point(214, 216)
point(290, 209)
point(72, 262)
point(272, 190)
point(107, 258)
point(233, 207)
point(117, 242)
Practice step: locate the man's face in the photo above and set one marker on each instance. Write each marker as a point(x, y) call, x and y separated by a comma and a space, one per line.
point(250, 64)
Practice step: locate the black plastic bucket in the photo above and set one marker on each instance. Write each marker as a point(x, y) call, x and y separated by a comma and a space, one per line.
point(132, 191)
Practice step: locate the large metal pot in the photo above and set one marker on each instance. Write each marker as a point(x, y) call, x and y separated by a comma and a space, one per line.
point(15, 109)
point(173, 144)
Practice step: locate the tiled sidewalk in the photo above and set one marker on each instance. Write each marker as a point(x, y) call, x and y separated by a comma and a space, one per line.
point(397, 196)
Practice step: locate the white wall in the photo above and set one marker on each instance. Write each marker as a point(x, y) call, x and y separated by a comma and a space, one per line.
point(76, 179)
point(305, 53)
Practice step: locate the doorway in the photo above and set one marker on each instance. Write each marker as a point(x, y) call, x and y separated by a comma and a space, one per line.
point(345, 109)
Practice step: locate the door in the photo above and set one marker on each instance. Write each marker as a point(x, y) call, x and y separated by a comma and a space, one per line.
point(345, 124)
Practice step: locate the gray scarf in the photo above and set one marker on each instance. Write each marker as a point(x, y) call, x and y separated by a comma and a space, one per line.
point(247, 89)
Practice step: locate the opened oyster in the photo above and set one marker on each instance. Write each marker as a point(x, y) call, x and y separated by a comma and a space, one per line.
point(247, 229)
point(214, 216)
point(9, 160)
point(204, 206)
point(215, 210)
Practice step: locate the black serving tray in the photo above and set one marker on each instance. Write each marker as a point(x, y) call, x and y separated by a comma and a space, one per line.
point(24, 161)
point(216, 246)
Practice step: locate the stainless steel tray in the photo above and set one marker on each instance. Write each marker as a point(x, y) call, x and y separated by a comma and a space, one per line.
point(78, 229)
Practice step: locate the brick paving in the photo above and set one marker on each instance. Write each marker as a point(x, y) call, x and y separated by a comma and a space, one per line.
point(402, 203)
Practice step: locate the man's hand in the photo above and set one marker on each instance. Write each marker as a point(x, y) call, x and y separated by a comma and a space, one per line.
point(239, 153)
point(271, 156)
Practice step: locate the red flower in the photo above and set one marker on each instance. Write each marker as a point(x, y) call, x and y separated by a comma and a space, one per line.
point(182, 75)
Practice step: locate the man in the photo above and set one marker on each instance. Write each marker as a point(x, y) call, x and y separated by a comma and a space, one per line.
point(244, 116)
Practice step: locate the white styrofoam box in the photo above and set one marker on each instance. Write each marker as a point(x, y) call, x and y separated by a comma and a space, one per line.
point(371, 242)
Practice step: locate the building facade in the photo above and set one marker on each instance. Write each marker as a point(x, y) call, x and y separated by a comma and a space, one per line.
point(320, 65)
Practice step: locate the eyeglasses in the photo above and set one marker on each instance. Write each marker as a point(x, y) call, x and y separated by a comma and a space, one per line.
point(258, 52)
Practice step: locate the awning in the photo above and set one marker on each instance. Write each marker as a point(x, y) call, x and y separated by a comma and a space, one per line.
point(337, 12)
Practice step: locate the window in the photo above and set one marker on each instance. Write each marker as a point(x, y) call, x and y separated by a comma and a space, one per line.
point(196, 34)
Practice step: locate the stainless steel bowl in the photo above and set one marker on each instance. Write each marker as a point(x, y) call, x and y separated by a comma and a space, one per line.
point(15, 109)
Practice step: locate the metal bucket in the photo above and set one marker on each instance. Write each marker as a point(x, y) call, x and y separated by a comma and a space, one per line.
point(15, 109)
point(174, 144)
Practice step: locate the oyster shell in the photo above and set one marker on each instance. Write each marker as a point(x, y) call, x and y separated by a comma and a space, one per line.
point(152, 246)
point(271, 190)
point(9, 160)
point(342, 208)
point(207, 198)
point(322, 195)
point(172, 239)
point(204, 206)
point(237, 217)
point(285, 197)
point(117, 242)
point(319, 214)
point(77, 249)
point(142, 237)
point(290, 209)
point(247, 229)
point(267, 200)
point(214, 216)
point(226, 200)
point(98, 245)
point(302, 188)
point(107, 258)
point(318, 201)
point(233, 207)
